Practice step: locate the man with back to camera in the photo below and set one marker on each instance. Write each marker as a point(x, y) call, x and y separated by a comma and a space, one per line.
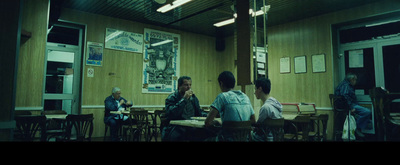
point(232, 105)
point(347, 91)
point(115, 102)
point(181, 105)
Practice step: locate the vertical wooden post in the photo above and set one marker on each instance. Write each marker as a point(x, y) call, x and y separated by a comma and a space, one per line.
point(243, 43)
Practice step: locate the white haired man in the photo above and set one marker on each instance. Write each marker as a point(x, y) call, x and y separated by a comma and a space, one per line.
point(347, 91)
point(115, 102)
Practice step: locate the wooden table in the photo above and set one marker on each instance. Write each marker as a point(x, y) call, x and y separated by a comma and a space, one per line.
point(191, 123)
point(57, 116)
point(289, 116)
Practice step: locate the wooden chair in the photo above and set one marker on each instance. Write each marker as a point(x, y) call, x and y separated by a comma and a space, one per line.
point(22, 112)
point(339, 115)
point(236, 131)
point(156, 127)
point(27, 127)
point(323, 119)
point(107, 126)
point(275, 126)
point(302, 121)
point(386, 122)
point(54, 128)
point(138, 125)
point(83, 125)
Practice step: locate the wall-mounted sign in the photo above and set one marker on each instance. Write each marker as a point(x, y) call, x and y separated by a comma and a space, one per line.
point(121, 40)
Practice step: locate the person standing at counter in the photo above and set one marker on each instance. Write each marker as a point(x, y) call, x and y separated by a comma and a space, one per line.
point(230, 104)
point(115, 102)
point(181, 105)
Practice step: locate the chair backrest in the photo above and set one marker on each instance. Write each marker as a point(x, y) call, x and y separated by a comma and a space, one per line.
point(275, 126)
point(52, 124)
point(236, 131)
point(323, 118)
point(22, 112)
point(27, 126)
point(159, 114)
point(338, 103)
point(141, 116)
point(304, 122)
point(53, 112)
point(383, 103)
point(83, 125)
point(163, 119)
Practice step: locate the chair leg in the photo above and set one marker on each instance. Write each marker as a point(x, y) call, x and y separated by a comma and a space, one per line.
point(105, 132)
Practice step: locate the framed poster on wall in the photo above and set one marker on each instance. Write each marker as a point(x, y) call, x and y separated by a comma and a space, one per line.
point(285, 65)
point(318, 63)
point(94, 54)
point(161, 61)
point(300, 64)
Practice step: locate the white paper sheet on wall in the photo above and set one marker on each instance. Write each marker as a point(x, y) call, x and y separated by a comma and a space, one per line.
point(356, 59)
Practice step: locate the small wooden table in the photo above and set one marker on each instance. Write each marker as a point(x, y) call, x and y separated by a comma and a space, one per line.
point(57, 116)
point(191, 123)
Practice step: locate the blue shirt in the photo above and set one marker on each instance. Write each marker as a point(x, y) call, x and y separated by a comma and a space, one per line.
point(346, 90)
point(233, 106)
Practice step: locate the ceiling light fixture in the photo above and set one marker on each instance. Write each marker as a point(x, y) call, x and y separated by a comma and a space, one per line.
point(226, 22)
point(174, 5)
point(263, 10)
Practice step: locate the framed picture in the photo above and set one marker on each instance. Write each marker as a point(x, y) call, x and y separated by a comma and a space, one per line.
point(318, 63)
point(300, 64)
point(285, 65)
point(161, 61)
point(94, 54)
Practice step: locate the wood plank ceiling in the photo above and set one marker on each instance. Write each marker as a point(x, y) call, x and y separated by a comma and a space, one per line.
point(198, 16)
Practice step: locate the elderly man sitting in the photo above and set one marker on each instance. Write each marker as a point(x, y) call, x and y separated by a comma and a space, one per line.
point(115, 102)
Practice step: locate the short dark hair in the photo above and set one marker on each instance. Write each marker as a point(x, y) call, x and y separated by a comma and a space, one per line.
point(180, 80)
point(265, 83)
point(227, 78)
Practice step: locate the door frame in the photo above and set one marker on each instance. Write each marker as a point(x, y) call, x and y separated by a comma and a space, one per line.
point(78, 62)
point(378, 59)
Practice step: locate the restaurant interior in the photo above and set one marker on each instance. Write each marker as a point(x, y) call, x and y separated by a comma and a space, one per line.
point(61, 59)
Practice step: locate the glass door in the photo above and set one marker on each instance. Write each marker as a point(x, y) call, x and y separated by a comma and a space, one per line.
point(376, 63)
point(391, 66)
point(62, 78)
point(360, 59)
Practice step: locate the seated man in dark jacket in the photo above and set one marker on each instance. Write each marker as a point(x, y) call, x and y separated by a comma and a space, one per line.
point(347, 91)
point(181, 105)
point(115, 103)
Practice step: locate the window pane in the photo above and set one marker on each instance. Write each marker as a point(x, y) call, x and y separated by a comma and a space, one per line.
point(361, 63)
point(391, 63)
point(59, 73)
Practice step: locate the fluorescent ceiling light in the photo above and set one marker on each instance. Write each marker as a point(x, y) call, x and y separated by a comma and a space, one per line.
point(165, 8)
point(251, 12)
point(161, 43)
point(226, 22)
point(174, 5)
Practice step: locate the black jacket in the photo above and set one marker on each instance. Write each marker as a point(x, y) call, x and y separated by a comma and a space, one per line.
point(175, 104)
